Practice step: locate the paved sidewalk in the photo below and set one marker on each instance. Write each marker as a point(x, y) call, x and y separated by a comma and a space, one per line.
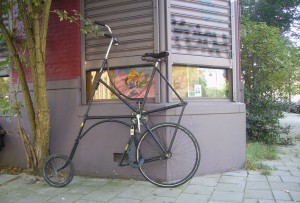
point(283, 186)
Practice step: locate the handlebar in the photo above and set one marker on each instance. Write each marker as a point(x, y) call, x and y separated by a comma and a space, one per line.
point(110, 35)
point(100, 23)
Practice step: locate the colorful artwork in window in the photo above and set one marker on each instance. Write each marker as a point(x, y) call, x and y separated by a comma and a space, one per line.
point(132, 82)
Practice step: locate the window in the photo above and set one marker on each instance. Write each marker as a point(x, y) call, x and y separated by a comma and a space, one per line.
point(197, 82)
point(131, 81)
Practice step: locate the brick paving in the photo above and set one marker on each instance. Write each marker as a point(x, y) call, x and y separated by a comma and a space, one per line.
point(282, 186)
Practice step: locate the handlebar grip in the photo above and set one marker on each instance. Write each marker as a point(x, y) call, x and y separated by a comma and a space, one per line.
point(108, 35)
point(100, 23)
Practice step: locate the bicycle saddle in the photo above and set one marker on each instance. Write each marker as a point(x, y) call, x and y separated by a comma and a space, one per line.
point(160, 55)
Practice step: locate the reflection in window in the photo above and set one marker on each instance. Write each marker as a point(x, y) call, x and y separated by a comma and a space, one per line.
point(132, 82)
point(194, 82)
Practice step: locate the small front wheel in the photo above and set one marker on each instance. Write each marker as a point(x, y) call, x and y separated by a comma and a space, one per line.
point(171, 155)
point(58, 170)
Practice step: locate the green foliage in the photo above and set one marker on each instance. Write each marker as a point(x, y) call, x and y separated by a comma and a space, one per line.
point(9, 109)
point(256, 153)
point(6, 108)
point(287, 141)
point(4, 87)
point(263, 115)
point(276, 13)
point(267, 64)
point(76, 17)
point(4, 63)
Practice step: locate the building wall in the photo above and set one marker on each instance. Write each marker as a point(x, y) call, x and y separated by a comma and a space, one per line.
point(219, 126)
point(63, 67)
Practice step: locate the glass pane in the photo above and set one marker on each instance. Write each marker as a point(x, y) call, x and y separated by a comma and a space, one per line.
point(132, 82)
point(195, 82)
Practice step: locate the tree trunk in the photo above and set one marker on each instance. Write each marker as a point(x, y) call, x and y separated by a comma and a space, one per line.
point(34, 16)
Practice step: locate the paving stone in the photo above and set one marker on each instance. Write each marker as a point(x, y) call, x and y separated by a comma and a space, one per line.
point(96, 182)
point(232, 179)
point(34, 198)
point(146, 184)
point(65, 198)
point(9, 199)
point(86, 201)
point(81, 189)
point(116, 186)
point(295, 196)
point(18, 194)
point(227, 196)
point(250, 200)
point(4, 178)
point(293, 168)
point(257, 186)
point(154, 199)
point(293, 163)
point(274, 178)
point(290, 179)
point(281, 173)
point(221, 201)
point(241, 173)
point(257, 178)
point(51, 191)
point(285, 186)
point(281, 195)
point(258, 194)
point(282, 186)
point(273, 163)
point(198, 189)
point(166, 192)
point(99, 195)
point(254, 173)
point(282, 168)
point(208, 181)
point(295, 173)
point(230, 187)
point(217, 175)
point(4, 190)
point(192, 198)
point(134, 192)
point(285, 202)
point(258, 201)
point(122, 200)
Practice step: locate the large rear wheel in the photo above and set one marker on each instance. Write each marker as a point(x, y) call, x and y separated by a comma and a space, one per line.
point(172, 162)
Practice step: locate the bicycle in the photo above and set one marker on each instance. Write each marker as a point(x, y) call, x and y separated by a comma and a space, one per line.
point(166, 154)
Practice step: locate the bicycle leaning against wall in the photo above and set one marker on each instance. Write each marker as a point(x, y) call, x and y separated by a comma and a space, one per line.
point(167, 154)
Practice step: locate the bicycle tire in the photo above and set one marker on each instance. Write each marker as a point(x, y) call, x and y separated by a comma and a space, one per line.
point(180, 165)
point(55, 177)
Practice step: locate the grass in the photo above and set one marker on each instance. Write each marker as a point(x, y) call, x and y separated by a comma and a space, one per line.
point(257, 153)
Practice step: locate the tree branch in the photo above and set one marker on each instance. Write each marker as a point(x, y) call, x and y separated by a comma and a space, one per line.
point(18, 66)
point(45, 22)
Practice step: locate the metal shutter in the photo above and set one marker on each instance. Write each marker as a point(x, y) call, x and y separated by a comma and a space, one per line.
point(201, 28)
point(132, 22)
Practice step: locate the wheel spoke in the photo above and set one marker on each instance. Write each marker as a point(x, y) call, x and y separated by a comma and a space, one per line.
point(58, 170)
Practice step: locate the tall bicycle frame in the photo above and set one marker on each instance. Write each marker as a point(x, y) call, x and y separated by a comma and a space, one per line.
point(138, 118)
